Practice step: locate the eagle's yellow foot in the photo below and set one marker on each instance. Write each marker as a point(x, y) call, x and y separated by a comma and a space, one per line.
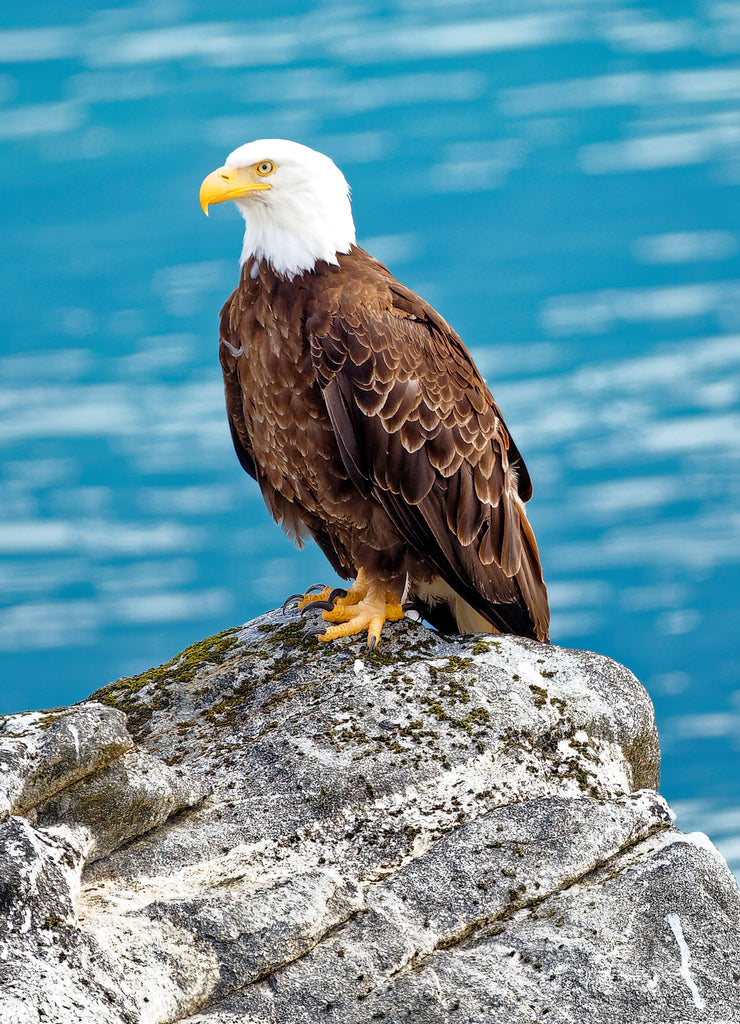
point(370, 611)
point(318, 598)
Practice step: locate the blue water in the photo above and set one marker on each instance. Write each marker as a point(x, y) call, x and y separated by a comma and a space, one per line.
point(560, 180)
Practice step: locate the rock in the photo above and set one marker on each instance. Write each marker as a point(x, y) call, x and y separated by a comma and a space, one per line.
point(464, 830)
point(45, 752)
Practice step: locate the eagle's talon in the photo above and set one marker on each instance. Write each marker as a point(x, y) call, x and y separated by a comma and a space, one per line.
point(337, 592)
point(317, 606)
point(293, 597)
point(308, 599)
point(371, 642)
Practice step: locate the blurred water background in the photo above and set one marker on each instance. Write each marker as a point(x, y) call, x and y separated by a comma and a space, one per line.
point(559, 179)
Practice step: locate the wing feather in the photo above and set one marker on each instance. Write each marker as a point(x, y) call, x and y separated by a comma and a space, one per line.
point(233, 390)
point(419, 431)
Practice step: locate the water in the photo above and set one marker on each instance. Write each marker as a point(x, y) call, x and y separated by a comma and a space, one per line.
point(560, 180)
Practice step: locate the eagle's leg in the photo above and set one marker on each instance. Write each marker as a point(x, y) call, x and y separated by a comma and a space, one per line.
point(356, 592)
point(368, 606)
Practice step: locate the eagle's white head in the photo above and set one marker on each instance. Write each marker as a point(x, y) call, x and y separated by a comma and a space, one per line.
point(294, 201)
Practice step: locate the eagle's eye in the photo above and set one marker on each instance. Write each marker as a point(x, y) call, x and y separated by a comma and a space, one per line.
point(266, 167)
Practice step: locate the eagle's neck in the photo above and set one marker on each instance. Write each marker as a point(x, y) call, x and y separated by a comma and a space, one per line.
point(295, 232)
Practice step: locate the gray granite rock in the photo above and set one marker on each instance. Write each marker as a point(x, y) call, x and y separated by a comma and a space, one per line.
point(288, 832)
point(45, 752)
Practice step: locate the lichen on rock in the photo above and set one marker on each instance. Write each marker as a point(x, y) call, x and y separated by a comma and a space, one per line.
point(270, 829)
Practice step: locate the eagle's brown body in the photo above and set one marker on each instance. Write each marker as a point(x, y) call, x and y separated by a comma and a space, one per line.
point(366, 424)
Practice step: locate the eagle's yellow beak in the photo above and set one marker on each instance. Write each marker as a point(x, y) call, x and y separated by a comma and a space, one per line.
point(228, 183)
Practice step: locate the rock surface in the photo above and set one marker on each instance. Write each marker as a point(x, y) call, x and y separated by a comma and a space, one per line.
point(270, 830)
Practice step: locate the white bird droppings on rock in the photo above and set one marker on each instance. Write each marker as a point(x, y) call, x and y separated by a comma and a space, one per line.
point(675, 924)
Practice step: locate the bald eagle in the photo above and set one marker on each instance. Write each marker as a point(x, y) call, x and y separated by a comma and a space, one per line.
point(362, 417)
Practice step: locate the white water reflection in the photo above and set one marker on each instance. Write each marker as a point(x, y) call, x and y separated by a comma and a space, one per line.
point(631, 88)
point(103, 536)
point(41, 119)
point(685, 247)
point(41, 625)
point(660, 149)
point(601, 311)
point(37, 44)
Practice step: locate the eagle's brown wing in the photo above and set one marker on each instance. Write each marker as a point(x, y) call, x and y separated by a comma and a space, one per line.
point(294, 520)
point(234, 407)
point(418, 430)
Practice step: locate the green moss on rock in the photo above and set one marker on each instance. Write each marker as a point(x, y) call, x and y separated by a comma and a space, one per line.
point(124, 693)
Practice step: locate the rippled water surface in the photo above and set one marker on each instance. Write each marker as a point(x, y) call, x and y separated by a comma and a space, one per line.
point(560, 180)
